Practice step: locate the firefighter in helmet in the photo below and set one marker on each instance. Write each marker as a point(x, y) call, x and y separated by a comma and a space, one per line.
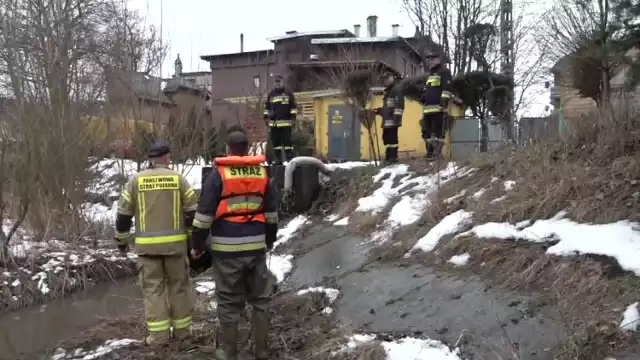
point(391, 112)
point(163, 204)
point(435, 100)
point(280, 114)
point(238, 214)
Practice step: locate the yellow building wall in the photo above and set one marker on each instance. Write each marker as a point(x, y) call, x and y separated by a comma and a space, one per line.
point(410, 137)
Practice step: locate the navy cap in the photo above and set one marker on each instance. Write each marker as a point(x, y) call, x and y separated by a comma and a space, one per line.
point(278, 77)
point(237, 138)
point(159, 148)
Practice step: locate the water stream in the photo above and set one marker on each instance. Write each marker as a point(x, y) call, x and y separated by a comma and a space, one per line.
point(27, 332)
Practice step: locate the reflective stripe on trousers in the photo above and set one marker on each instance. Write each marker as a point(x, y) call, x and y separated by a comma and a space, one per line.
point(181, 324)
point(280, 123)
point(432, 109)
point(235, 244)
point(160, 237)
point(158, 326)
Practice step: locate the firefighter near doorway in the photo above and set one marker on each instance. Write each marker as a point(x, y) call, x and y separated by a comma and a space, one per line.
point(280, 114)
point(391, 111)
point(435, 98)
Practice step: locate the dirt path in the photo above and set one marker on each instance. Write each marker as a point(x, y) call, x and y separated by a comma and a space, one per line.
point(400, 299)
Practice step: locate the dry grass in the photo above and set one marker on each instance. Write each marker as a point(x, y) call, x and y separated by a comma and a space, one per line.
point(592, 173)
point(341, 193)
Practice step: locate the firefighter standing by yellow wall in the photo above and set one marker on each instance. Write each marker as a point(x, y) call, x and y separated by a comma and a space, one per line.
point(238, 208)
point(391, 111)
point(163, 204)
point(280, 113)
point(435, 99)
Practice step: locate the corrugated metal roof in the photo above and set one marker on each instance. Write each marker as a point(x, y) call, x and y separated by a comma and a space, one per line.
point(311, 33)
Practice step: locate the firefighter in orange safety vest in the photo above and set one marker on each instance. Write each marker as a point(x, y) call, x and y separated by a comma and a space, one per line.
point(163, 204)
point(237, 213)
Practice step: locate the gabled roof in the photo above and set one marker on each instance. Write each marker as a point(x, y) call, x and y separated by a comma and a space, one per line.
point(295, 34)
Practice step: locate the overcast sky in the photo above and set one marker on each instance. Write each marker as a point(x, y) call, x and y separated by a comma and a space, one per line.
point(204, 27)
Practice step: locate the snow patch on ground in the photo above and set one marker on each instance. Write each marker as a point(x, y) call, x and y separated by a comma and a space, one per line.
point(285, 234)
point(380, 198)
point(280, 265)
point(332, 218)
point(460, 260)
point(342, 222)
point(330, 294)
point(508, 185)
point(620, 240)
point(630, 318)
point(450, 224)
point(456, 197)
point(349, 165)
point(415, 194)
point(478, 194)
point(406, 348)
point(205, 287)
point(106, 348)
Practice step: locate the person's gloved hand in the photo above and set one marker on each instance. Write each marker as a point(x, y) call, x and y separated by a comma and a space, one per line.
point(123, 240)
point(377, 111)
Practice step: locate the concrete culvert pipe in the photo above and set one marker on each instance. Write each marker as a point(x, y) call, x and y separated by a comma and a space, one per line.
point(301, 160)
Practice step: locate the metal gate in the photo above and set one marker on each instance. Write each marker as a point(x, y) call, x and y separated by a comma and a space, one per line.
point(465, 136)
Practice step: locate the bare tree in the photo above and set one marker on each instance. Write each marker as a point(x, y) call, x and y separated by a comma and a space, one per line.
point(452, 24)
point(52, 66)
point(355, 75)
point(584, 34)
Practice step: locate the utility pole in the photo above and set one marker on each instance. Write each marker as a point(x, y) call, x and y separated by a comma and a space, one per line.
point(507, 61)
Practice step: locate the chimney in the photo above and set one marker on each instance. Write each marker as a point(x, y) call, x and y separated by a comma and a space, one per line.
point(356, 30)
point(241, 42)
point(394, 29)
point(371, 25)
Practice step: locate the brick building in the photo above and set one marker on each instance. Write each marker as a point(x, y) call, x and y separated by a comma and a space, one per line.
point(309, 61)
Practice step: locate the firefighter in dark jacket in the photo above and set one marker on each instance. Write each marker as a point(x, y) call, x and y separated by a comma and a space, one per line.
point(435, 99)
point(280, 114)
point(391, 112)
point(238, 214)
point(163, 204)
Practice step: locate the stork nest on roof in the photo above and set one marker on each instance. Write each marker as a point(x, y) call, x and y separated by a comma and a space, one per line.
point(357, 85)
point(412, 86)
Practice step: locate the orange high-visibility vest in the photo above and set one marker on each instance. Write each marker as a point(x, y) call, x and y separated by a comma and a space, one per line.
point(244, 185)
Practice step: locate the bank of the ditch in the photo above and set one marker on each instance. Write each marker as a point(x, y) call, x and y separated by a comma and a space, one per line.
point(57, 270)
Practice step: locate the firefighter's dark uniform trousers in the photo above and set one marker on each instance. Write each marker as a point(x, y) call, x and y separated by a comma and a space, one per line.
point(280, 112)
point(238, 214)
point(435, 99)
point(391, 112)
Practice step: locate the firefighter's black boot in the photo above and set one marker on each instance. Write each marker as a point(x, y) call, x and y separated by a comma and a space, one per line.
point(392, 155)
point(430, 151)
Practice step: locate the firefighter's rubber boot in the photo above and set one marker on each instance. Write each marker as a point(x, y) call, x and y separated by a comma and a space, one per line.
point(430, 152)
point(438, 145)
point(157, 338)
point(260, 322)
point(227, 346)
